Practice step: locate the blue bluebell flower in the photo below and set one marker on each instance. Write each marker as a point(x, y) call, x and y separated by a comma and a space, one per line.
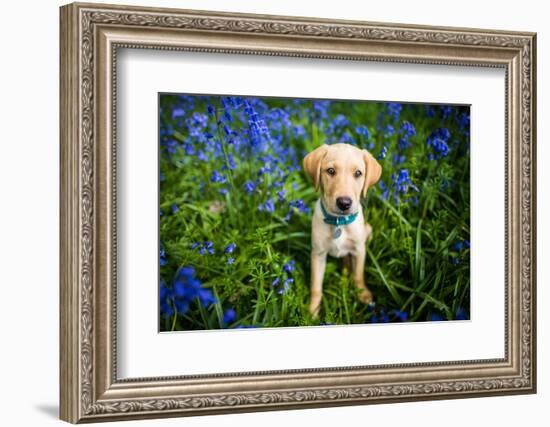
point(182, 305)
point(299, 131)
point(446, 111)
point(300, 205)
point(268, 206)
point(279, 119)
point(461, 314)
point(363, 131)
point(206, 297)
point(346, 138)
point(235, 101)
point(227, 130)
point(218, 177)
point(170, 145)
point(400, 185)
point(186, 289)
point(403, 181)
point(286, 286)
point(230, 261)
point(383, 152)
point(189, 148)
point(440, 147)
point(407, 129)
point(178, 112)
point(162, 257)
point(460, 245)
point(404, 143)
point(174, 208)
point(401, 316)
point(266, 169)
point(381, 317)
point(441, 133)
point(258, 131)
point(320, 109)
point(231, 161)
point(385, 189)
point(198, 120)
point(204, 247)
point(435, 317)
point(230, 248)
point(166, 131)
point(166, 300)
point(288, 215)
point(249, 187)
point(388, 131)
point(398, 159)
point(290, 266)
point(229, 316)
point(202, 156)
point(394, 110)
point(463, 121)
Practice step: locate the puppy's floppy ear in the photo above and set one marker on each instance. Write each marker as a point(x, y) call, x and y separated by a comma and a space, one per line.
point(373, 171)
point(312, 164)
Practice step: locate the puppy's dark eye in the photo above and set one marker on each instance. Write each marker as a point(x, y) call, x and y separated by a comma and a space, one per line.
point(331, 171)
point(358, 174)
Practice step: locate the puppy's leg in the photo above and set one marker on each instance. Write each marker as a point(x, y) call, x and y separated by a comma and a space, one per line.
point(365, 295)
point(318, 264)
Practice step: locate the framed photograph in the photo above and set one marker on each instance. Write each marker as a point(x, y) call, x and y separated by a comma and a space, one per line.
point(267, 212)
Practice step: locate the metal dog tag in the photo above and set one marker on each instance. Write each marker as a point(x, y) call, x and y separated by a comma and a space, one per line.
point(337, 232)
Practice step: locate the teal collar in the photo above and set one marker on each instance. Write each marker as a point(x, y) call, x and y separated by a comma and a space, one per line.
point(337, 220)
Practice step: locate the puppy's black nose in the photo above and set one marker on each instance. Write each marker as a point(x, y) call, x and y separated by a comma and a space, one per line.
point(343, 203)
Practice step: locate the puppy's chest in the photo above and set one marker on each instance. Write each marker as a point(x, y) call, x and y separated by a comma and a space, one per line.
point(343, 245)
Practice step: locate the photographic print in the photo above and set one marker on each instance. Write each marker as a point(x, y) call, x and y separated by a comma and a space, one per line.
point(335, 219)
point(278, 212)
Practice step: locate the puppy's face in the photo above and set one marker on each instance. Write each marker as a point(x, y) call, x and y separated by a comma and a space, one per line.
point(343, 173)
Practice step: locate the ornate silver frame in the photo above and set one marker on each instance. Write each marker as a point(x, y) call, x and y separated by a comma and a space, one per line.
point(90, 36)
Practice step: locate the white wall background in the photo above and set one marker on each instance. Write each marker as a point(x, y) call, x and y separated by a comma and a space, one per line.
point(29, 171)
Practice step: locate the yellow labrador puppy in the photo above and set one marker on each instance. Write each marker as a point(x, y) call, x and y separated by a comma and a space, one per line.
point(343, 173)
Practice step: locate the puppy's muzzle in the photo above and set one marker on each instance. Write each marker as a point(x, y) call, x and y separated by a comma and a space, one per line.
point(344, 203)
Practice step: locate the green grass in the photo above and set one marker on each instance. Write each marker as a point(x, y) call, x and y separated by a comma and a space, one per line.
point(413, 262)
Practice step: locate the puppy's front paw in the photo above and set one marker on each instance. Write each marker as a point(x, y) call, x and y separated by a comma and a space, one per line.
point(314, 307)
point(366, 296)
